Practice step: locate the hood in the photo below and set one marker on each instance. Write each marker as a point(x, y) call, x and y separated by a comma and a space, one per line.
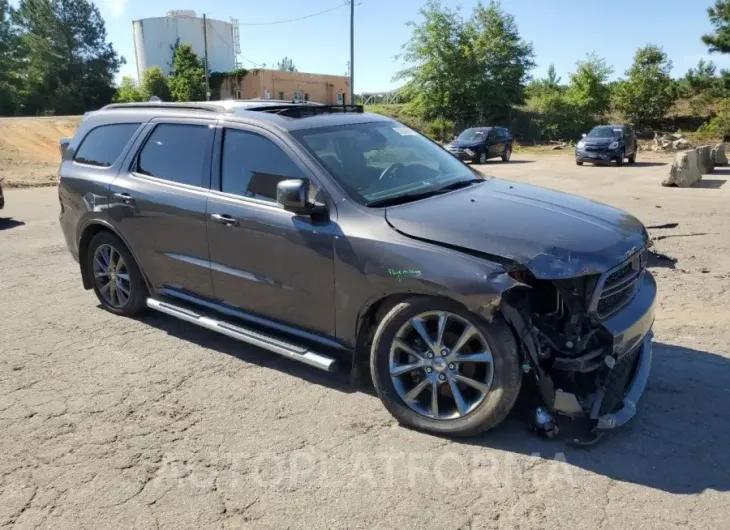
point(600, 142)
point(464, 144)
point(553, 234)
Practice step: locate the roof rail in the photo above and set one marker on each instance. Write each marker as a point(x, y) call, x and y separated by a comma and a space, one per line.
point(306, 110)
point(208, 107)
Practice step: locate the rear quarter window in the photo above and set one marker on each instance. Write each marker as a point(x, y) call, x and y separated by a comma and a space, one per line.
point(103, 145)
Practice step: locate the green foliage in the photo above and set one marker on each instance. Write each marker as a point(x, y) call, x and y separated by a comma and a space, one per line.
point(128, 91)
point(646, 95)
point(719, 15)
point(441, 129)
point(10, 80)
point(66, 64)
point(465, 70)
point(286, 65)
point(187, 79)
point(154, 83)
point(588, 92)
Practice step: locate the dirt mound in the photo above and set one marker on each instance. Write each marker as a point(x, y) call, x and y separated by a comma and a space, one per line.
point(29, 148)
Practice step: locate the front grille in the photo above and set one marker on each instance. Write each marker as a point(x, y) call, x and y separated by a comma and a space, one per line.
point(620, 284)
point(594, 148)
point(618, 380)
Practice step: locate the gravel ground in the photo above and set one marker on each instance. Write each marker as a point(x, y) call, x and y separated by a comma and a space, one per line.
point(108, 421)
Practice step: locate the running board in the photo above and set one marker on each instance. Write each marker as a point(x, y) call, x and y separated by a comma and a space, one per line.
point(285, 349)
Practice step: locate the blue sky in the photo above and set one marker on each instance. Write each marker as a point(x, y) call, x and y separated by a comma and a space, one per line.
point(561, 35)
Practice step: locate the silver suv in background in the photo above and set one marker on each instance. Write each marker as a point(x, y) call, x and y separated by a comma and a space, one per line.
point(332, 236)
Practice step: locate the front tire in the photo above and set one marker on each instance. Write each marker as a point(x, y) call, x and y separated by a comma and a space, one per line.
point(117, 281)
point(482, 158)
point(620, 159)
point(507, 153)
point(578, 163)
point(441, 369)
point(632, 158)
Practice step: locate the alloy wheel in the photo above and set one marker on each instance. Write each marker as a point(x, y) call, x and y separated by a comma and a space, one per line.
point(441, 365)
point(483, 158)
point(507, 154)
point(111, 276)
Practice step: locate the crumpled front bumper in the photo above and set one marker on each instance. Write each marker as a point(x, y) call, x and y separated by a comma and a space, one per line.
point(635, 390)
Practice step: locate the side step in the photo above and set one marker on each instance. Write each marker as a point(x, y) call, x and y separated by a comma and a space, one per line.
point(285, 349)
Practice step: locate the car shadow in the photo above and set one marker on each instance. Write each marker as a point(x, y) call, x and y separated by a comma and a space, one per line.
point(677, 442)
point(710, 183)
point(657, 259)
point(640, 163)
point(6, 223)
point(721, 170)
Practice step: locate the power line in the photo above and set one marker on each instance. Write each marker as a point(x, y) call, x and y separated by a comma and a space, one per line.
point(295, 19)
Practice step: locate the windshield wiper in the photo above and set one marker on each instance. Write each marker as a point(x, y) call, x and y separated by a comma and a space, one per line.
point(459, 184)
point(409, 197)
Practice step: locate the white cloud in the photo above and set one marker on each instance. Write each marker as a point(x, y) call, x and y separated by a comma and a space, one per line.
point(116, 7)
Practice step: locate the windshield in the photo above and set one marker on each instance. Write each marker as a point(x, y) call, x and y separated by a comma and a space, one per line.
point(473, 135)
point(605, 132)
point(383, 160)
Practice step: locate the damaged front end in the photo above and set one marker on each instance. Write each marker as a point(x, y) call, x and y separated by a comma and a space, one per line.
point(586, 341)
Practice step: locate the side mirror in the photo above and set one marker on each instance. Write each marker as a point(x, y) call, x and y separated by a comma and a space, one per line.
point(292, 195)
point(583, 135)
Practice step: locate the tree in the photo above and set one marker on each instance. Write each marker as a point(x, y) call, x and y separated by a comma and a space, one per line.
point(502, 61)
point(645, 96)
point(286, 65)
point(128, 91)
point(719, 15)
point(10, 80)
point(588, 92)
point(465, 70)
point(154, 83)
point(68, 66)
point(187, 79)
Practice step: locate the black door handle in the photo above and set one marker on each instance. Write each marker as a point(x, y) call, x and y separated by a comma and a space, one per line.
point(223, 219)
point(125, 198)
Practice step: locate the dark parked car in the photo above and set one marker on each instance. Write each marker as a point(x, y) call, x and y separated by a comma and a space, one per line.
point(328, 235)
point(479, 144)
point(607, 143)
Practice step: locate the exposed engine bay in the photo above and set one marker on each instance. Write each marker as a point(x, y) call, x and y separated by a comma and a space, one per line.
point(567, 347)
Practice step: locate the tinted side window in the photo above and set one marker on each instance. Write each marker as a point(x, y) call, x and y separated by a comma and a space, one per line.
point(103, 145)
point(175, 152)
point(252, 165)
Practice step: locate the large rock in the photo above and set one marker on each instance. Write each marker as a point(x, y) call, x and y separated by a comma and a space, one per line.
point(705, 162)
point(684, 171)
point(718, 155)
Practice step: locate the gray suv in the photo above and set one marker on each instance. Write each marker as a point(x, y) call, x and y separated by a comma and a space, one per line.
point(332, 236)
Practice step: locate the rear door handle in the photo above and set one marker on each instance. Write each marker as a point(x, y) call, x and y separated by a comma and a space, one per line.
point(125, 198)
point(223, 219)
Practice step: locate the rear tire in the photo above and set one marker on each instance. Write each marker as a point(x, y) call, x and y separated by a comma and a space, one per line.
point(117, 281)
point(495, 399)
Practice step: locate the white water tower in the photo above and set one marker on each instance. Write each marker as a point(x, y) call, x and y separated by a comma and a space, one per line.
point(155, 37)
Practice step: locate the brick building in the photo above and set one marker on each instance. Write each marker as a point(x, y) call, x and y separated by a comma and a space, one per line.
point(277, 84)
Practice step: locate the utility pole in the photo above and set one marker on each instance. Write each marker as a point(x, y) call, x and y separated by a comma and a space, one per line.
point(352, 52)
point(205, 61)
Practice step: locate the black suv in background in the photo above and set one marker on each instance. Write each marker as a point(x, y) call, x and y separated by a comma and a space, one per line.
point(478, 144)
point(606, 143)
point(328, 235)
